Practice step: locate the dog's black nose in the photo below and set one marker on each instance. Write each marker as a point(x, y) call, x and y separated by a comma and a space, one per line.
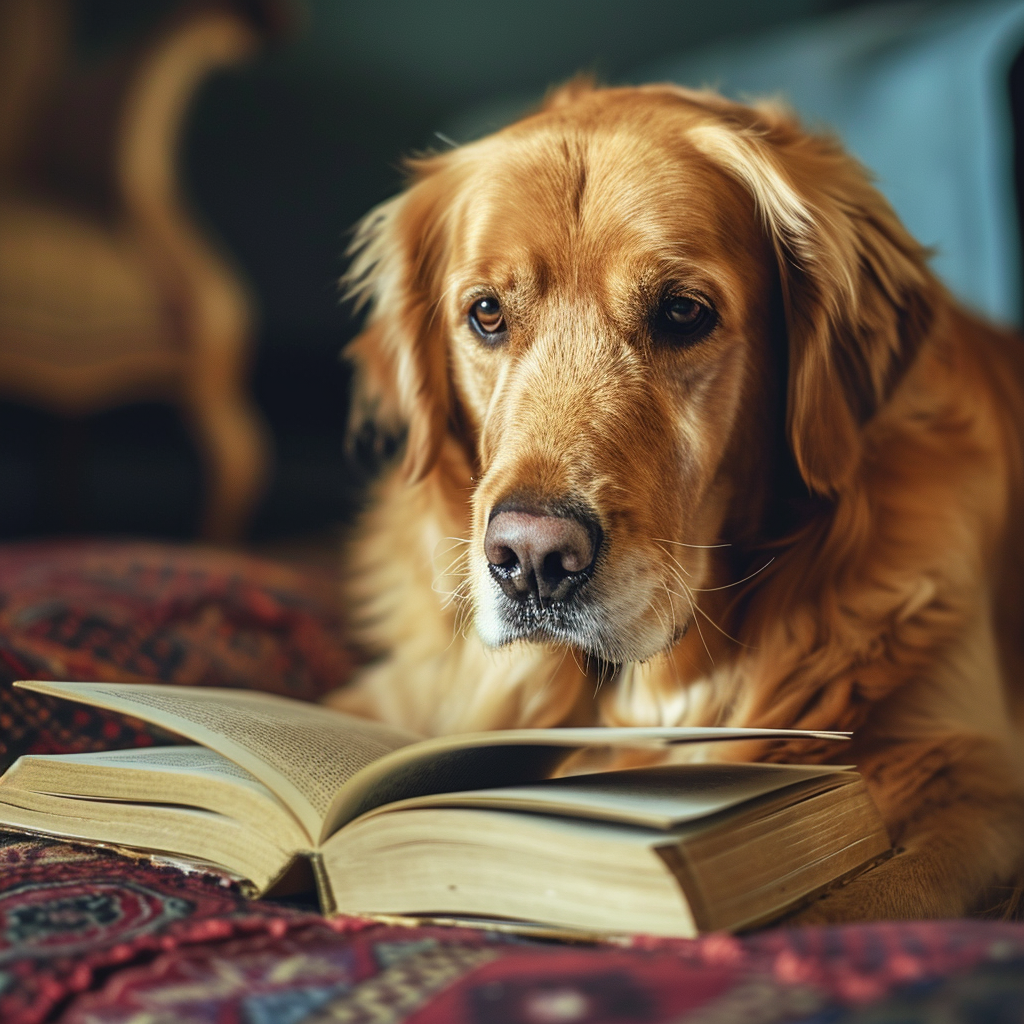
point(544, 555)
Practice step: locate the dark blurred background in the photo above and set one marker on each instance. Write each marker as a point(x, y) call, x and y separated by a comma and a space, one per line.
point(280, 153)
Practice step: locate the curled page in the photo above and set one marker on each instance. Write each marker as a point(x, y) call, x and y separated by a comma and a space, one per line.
point(329, 767)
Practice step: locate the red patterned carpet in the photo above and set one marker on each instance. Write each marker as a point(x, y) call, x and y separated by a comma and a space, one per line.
point(90, 937)
point(137, 612)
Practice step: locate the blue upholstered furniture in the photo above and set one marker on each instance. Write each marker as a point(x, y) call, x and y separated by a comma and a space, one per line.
point(921, 94)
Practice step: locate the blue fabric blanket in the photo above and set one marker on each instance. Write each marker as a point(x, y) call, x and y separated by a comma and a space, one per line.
point(920, 93)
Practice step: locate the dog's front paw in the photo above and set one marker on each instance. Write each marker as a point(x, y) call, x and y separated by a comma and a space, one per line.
point(830, 908)
point(901, 888)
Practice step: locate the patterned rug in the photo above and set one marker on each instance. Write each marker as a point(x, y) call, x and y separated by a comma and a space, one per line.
point(136, 612)
point(69, 914)
point(91, 937)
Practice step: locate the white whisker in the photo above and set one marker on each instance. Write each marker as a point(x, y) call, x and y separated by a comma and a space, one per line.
point(711, 590)
point(672, 559)
point(700, 611)
point(679, 543)
point(696, 622)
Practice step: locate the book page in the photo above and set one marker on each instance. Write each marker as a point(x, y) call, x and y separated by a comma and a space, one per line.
point(184, 759)
point(303, 753)
point(180, 830)
point(661, 797)
point(590, 876)
point(189, 775)
point(448, 764)
point(329, 767)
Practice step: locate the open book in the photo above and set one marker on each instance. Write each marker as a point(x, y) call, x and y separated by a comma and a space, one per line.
point(471, 824)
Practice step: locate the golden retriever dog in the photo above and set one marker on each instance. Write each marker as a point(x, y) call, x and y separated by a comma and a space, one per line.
point(694, 436)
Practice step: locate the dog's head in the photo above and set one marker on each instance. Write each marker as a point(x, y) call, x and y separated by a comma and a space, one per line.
point(632, 310)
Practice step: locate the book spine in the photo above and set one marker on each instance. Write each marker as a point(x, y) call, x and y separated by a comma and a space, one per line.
point(328, 905)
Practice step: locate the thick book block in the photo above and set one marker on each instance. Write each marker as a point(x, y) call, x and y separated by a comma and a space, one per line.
point(470, 824)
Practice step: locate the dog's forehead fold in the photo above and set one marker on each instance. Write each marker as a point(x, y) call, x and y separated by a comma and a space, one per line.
point(555, 207)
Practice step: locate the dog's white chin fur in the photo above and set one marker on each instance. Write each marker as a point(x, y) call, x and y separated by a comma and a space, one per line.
point(617, 628)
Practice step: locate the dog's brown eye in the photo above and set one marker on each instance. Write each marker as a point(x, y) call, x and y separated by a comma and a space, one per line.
point(487, 319)
point(685, 318)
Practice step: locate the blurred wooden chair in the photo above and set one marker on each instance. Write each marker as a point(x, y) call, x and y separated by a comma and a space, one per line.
point(109, 290)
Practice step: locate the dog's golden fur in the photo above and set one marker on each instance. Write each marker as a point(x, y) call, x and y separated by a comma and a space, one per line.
point(812, 517)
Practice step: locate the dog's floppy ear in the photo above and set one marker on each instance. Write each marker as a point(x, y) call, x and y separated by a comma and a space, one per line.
point(402, 382)
point(857, 292)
